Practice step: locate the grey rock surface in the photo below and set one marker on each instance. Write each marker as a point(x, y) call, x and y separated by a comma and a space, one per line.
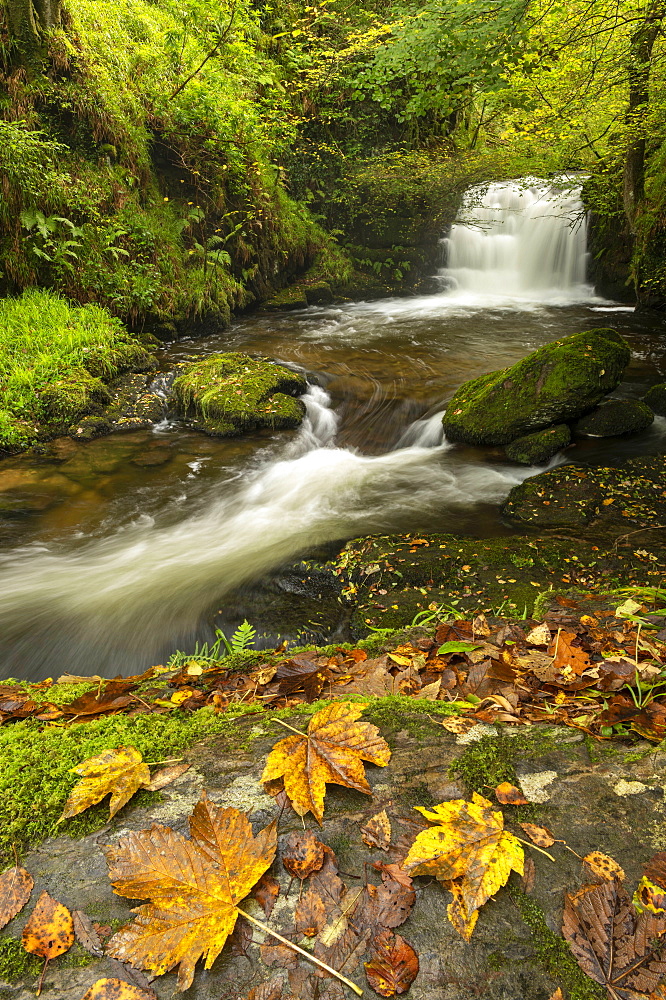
point(593, 796)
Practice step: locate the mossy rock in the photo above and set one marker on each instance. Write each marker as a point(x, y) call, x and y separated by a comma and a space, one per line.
point(534, 449)
point(75, 393)
point(655, 398)
point(615, 417)
point(318, 294)
point(559, 382)
point(231, 394)
point(293, 297)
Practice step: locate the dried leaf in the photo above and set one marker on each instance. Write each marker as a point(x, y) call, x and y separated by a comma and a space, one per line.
point(310, 917)
point(119, 773)
point(603, 867)
point(529, 875)
point(649, 896)
point(508, 794)
point(459, 724)
point(628, 608)
point(539, 835)
point(377, 831)
point(86, 934)
point(270, 990)
point(115, 989)
point(567, 656)
point(303, 854)
point(166, 775)
point(469, 851)
point(539, 636)
point(15, 887)
point(387, 905)
point(193, 886)
point(332, 751)
point(655, 869)
point(393, 966)
point(49, 931)
point(266, 893)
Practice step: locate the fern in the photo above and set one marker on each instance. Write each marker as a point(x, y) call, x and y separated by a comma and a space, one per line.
point(243, 637)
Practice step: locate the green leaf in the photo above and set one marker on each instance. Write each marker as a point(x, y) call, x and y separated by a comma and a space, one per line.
point(458, 647)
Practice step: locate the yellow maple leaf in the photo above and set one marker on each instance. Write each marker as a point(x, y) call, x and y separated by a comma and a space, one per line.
point(332, 751)
point(120, 773)
point(469, 852)
point(194, 887)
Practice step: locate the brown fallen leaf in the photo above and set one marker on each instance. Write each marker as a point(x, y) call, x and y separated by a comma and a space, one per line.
point(539, 835)
point(469, 852)
point(15, 887)
point(303, 854)
point(266, 893)
point(539, 635)
point(166, 775)
point(86, 934)
point(508, 795)
point(193, 886)
point(49, 931)
point(649, 896)
point(394, 871)
point(332, 751)
point(387, 905)
point(310, 917)
point(655, 869)
point(603, 867)
point(115, 989)
point(529, 875)
point(616, 947)
point(566, 655)
point(458, 724)
point(119, 773)
point(270, 990)
point(377, 831)
point(393, 965)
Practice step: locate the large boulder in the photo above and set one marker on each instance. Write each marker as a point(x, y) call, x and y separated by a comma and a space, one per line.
point(537, 448)
point(615, 417)
point(230, 394)
point(655, 398)
point(558, 383)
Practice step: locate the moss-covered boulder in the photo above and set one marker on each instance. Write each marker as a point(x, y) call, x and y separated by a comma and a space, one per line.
point(230, 394)
point(614, 417)
point(655, 398)
point(559, 382)
point(534, 449)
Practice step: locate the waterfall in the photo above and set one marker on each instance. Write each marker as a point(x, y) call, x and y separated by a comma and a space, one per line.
point(519, 240)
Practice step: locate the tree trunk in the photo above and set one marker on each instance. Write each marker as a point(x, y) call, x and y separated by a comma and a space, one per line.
point(640, 57)
point(29, 19)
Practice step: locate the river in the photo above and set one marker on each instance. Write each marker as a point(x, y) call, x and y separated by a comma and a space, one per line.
point(131, 541)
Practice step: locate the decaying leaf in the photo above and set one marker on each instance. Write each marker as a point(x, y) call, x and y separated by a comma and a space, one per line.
point(377, 831)
point(166, 775)
point(393, 966)
point(539, 835)
point(655, 869)
point(193, 886)
point(115, 989)
point(331, 752)
point(616, 947)
point(49, 932)
point(15, 888)
point(119, 773)
point(266, 893)
point(649, 896)
point(86, 933)
point(303, 854)
point(603, 867)
point(469, 852)
point(539, 635)
point(508, 795)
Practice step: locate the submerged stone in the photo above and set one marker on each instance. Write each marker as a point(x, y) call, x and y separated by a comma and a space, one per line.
point(559, 382)
point(655, 398)
point(616, 416)
point(534, 449)
point(231, 394)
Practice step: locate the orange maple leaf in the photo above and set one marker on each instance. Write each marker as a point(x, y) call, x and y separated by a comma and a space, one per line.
point(331, 752)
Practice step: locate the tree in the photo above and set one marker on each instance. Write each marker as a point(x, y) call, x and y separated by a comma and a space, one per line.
point(28, 20)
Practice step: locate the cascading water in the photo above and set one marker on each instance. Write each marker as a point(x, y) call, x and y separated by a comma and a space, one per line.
point(520, 240)
point(144, 578)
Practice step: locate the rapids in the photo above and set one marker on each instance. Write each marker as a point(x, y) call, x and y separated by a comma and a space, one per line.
point(150, 530)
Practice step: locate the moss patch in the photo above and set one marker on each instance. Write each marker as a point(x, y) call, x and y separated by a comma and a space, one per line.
point(16, 963)
point(229, 394)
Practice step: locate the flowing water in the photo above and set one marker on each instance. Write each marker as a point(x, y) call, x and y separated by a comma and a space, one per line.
point(125, 546)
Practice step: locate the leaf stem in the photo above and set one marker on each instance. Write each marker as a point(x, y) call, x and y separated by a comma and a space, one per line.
point(171, 760)
point(534, 847)
point(287, 726)
point(301, 951)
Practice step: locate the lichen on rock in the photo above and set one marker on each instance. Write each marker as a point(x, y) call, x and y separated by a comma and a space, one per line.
point(231, 394)
point(553, 385)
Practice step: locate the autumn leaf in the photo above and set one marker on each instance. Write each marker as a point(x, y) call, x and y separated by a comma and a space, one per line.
point(193, 886)
point(615, 946)
point(393, 966)
point(649, 896)
point(508, 794)
point(115, 989)
point(15, 888)
point(331, 752)
point(377, 831)
point(303, 854)
point(119, 773)
point(568, 657)
point(469, 852)
point(49, 931)
point(603, 867)
point(539, 835)
point(86, 933)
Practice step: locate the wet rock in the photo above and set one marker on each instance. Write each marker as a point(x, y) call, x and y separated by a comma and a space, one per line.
point(231, 394)
point(634, 494)
point(556, 384)
point(24, 491)
point(614, 417)
point(292, 297)
point(136, 403)
point(578, 792)
point(655, 398)
point(318, 294)
point(537, 448)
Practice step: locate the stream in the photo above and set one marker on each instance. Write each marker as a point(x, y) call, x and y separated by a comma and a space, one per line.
point(129, 543)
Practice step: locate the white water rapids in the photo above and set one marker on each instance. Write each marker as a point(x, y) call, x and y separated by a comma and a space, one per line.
point(109, 602)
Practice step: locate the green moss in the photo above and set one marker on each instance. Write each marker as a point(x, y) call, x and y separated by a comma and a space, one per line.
point(553, 952)
point(234, 393)
point(538, 448)
point(16, 963)
point(556, 383)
